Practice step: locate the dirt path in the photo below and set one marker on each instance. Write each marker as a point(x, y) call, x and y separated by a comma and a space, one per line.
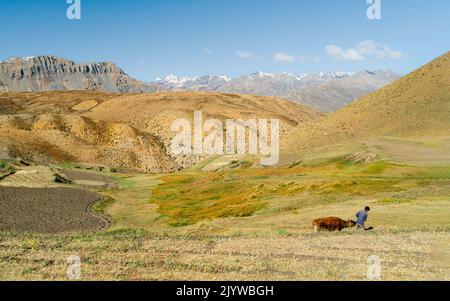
point(89, 179)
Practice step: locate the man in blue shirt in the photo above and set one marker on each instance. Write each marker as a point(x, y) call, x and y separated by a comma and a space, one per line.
point(362, 218)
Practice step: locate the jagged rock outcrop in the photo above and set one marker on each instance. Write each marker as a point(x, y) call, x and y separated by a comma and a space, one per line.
point(50, 73)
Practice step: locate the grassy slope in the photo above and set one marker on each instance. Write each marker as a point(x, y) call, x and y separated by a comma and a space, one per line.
point(415, 106)
point(289, 198)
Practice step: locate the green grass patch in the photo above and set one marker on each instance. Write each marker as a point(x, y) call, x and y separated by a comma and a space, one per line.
point(6, 169)
point(377, 168)
point(393, 201)
point(100, 207)
point(124, 182)
point(187, 199)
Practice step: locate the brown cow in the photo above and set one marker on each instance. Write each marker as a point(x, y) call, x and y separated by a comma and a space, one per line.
point(332, 224)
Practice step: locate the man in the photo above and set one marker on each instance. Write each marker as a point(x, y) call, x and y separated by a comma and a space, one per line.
point(362, 218)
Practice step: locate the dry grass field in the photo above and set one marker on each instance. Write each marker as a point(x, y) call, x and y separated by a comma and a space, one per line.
point(136, 255)
point(163, 227)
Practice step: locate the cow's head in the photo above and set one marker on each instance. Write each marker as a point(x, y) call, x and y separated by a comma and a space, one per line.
point(351, 223)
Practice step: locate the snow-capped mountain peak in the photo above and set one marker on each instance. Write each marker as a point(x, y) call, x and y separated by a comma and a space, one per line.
point(311, 89)
point(12, 59)
point(261, 75)
point(334, 75)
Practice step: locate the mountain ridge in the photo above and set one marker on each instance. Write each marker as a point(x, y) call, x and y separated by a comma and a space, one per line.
point(51, 73)
point(415, 107)
point(325, 91)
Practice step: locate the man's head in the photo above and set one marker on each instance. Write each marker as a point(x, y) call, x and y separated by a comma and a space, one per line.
point(367, 209)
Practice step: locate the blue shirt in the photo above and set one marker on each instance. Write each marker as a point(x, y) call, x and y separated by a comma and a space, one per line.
point(362, 217)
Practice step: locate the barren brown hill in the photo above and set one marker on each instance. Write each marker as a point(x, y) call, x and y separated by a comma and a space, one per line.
point(130, 131)
point(416, 107)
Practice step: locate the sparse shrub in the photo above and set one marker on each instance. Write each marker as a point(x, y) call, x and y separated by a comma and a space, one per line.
point(240, 164)
point(281, 232)
point(33, 244)
point(295, 164)
point(6, 169)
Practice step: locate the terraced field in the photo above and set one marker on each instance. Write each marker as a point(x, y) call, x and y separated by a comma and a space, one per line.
point(53, 210)
point(32, 177)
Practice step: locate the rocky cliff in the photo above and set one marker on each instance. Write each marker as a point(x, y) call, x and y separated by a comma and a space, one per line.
point(50, 73)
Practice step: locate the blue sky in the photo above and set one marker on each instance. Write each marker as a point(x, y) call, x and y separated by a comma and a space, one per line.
point(154, 38)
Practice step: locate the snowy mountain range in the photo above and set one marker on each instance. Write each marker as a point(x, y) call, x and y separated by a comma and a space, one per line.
point(325, 91)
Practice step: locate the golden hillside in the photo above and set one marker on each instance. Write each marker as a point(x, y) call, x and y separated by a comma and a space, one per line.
point(128, 131)
point(415, 107)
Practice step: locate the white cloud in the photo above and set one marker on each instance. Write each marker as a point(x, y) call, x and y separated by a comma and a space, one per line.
point(368, 48)
point(340, 54)
point(283, 58)
point(363, 51)
point(207, 51)
point(245, 55)
point(316, 59)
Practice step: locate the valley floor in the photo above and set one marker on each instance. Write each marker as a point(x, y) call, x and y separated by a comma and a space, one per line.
point(243, 223)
